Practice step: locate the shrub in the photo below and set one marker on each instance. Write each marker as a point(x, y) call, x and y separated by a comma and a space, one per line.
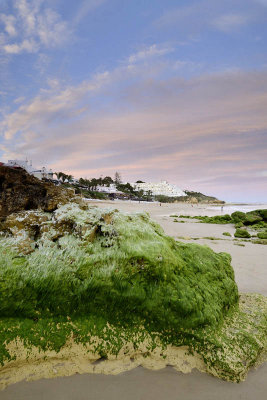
point(227, 234)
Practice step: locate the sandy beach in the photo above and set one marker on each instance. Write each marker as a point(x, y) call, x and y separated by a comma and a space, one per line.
point(249, 263)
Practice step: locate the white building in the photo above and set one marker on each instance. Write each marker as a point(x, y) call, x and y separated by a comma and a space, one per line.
point(27, 165)
point(163, 188)
point(107, 189)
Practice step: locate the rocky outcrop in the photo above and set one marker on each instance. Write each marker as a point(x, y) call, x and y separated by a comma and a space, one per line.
point(20, 191)
point(197, 197)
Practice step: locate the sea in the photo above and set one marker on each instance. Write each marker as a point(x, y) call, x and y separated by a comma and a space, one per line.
point(230, 208)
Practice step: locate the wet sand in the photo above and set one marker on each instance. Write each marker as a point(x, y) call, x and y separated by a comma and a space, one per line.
point(141, 384)
point(249, 263)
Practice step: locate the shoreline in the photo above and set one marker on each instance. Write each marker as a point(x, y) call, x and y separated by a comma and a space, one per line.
point(141, 384)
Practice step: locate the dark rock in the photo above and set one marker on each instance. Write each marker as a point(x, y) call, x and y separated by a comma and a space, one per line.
point(20, 191)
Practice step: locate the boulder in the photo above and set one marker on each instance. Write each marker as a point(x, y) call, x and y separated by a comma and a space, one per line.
point(242, 233)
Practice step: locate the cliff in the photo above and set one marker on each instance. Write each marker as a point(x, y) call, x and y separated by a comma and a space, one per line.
point(20, 191)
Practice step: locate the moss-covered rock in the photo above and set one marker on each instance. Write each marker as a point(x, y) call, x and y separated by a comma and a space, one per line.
point(238, 216)
point(102, 262)
point(112, 275)
point(217, 219)
point(239, 225)
point(242, 233)
point(262, 235)
point(262, 214)
point(252, 218)
point(256, 219)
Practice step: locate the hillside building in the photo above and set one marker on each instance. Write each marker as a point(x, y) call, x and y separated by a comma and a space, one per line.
point(162, 188)
point(27, 165)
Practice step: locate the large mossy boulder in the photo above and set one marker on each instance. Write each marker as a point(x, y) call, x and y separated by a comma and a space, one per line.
point(111, 264)
point(98, 284)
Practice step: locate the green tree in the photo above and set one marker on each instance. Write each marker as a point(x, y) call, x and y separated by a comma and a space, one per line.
point(107, 181)
point(94, 183)
point(69, 178)
point(61, 176)
point(117, 178)
point(58, 175)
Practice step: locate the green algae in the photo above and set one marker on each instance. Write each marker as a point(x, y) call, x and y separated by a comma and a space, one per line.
point(91, 269)
point(130, 266)
point(262, 235)
point(256, 218)
point(228, 350)
point(260, 241)
point(242, 233)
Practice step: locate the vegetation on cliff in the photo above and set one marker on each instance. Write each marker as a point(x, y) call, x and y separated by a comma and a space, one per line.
point(88, 188)
point(191, 197)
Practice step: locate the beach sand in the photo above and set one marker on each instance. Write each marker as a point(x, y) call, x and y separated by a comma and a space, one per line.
point(249, 263)
point(141, 384)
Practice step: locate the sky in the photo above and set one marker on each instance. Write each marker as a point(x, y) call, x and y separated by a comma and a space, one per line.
point(156, 90)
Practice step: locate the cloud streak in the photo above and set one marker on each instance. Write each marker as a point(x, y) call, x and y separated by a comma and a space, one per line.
point(209, 126)
point(230, 22)
point(32, 26)
point(148, 53)
point(86, 7)
point(227, 16)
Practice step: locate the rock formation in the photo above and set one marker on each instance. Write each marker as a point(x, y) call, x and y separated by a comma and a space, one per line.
point(21, 191)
